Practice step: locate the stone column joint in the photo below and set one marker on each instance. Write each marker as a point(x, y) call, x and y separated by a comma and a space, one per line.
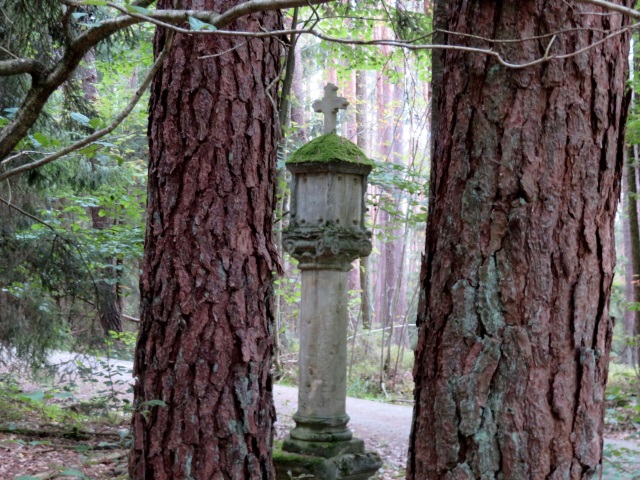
point(327, 247)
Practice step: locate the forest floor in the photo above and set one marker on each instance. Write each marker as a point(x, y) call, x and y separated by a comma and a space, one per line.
point(47, 444)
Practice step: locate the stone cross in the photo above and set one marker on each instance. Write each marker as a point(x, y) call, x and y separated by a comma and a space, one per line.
point(329, 105)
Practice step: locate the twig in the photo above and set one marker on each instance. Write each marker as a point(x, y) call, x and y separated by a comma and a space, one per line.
point(612, 6)
point(27, 214)
point(18, 155)
point(204, 57)
point(520, 40)
point(131, 319)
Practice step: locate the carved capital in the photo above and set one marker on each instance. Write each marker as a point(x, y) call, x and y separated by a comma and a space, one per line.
point(326, 247)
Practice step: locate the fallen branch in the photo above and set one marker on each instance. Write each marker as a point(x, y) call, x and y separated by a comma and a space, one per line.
point(108, 458)
point(72, 434)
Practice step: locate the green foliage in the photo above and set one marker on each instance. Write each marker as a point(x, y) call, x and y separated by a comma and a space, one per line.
point(45, 404)
point(359, 21)
point(623, 399)
point(405, 191)
point(93, 204)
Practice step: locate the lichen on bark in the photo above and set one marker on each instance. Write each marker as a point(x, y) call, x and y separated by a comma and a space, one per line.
point(515, 331)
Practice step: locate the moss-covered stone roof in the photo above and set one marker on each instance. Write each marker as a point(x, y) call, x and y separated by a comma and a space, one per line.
point(330, 148)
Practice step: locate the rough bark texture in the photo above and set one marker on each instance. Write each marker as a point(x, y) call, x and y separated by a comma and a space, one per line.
point(515, 331)
point(205, 343)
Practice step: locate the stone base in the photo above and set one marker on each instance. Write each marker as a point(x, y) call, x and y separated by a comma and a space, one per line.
point(349, 466)
point(323, 449)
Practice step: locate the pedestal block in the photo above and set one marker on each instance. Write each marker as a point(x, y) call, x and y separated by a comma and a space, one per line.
point(345, 466)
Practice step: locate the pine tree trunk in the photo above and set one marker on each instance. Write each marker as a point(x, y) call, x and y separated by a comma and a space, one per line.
point(629, 315)
point(634, 230)
point(515, 331)
point(362, 128)
point(300, 134)
point(203, 395)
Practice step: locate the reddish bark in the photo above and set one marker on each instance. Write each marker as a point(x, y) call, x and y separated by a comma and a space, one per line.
point(205, 343)
point(515, 331)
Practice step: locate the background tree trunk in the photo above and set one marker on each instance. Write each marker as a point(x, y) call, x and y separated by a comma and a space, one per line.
point(203, 399)
point(629, 315)
point(634, 251)
point(515, 332)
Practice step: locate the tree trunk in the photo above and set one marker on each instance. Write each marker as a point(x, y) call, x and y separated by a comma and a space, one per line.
point(203, 395)
point(629, 315)
point(362, 124)
point(515, 331)
point(634, 230)
point(362, 128)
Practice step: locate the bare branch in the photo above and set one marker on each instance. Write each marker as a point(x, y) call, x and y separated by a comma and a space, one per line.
point(520, 40)
point(36, 98)
point(27, 214)
point(100, 133)
point(40, 92)
point(613, 7)
point(19, 66)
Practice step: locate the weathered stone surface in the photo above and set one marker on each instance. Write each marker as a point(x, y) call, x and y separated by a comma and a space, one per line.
point(351, 466)
point(329, 105)
point(328, 247)
point(324, 449)
point(326, 233)
point(322, 389)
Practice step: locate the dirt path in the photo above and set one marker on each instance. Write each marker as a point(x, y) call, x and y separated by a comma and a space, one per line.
point(384, 427)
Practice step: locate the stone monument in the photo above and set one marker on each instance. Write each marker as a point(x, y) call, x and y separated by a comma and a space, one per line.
point(325, 234)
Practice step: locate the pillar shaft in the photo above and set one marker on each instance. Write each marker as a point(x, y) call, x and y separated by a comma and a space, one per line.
point(321, 414)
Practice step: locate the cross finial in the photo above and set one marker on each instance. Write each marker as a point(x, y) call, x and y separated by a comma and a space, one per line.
point(329, 105)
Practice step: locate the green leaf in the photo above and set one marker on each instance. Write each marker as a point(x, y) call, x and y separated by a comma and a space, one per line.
point(72, 472)
point(27, 477)
point(41, 138)
point(199, 25)
point(98, 3)
point(154, 403)
point(35, 396)
point(78, 15)
point(80, 118)
point(138, 10)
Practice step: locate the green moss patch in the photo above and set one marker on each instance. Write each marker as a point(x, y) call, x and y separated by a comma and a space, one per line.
point(330, 148)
